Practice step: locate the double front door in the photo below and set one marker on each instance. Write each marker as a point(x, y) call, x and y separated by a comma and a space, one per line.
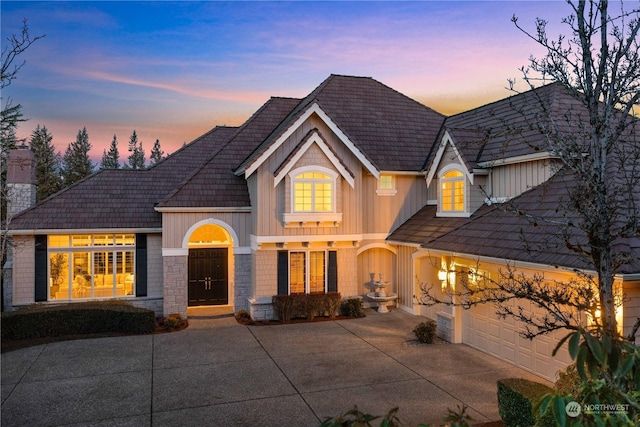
point(208, 276)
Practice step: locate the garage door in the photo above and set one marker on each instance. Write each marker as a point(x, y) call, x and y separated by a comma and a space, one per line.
point(483, 330)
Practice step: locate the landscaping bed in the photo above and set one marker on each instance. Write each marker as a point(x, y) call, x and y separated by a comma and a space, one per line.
point(42, 324)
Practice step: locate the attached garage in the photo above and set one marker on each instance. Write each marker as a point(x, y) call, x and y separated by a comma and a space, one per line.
point(482, 329)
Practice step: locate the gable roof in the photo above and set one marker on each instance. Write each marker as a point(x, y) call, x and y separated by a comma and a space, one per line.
point(393, 132)
point(314, 136)
point(120, 198)
point(214, 184)
point(527, 228)
point(506, 128)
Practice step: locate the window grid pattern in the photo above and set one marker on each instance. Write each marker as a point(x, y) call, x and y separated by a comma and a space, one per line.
point(91, 266)
point(307, 272)
point(452, 188)
point(312, 192)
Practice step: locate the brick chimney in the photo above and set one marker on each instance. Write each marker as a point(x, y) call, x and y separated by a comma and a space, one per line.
point(21, 181)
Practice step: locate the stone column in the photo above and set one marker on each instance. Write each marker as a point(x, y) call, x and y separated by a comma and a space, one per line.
point(21, 195)
point(21, 181)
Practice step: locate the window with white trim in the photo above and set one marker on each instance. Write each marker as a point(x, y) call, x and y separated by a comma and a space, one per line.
point(313, 192)
point(452, 192)
point(312, 199)
point(307, 272)
point(386, 185)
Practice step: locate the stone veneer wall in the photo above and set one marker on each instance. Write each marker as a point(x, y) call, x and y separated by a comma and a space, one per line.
point(242, 285)
point(175, 294)
point(20, 197)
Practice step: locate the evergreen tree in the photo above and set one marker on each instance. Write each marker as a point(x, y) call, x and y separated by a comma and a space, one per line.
point(76, 162)
point(48, 177)
point(137, 157)
point(156, 153)
point(11, 115)
point(111, 159)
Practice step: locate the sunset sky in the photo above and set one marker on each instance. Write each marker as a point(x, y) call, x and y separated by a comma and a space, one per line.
point(172, 70)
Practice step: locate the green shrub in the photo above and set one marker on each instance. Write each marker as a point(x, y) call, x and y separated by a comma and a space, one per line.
point(355, 417)
point(243, 314)
point(352, 307)
point(306, 306)
point(517, 398)
point(426, 331)
point(568, 382)
point(332, 303)
point(40, 321)
point(283, 307)
point(310, 305)
point(173, 320)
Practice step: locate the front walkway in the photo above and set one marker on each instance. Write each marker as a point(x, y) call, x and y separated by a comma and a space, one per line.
point(218, 372)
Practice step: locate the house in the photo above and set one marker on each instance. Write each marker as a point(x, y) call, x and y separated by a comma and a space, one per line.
point(352, 184)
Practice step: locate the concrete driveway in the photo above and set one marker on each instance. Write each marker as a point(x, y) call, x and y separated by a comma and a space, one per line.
point(220, 373)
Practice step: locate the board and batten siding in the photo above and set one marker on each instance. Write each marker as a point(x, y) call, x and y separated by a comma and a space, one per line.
point(512, 180)
point(385, 213)
point(176, 224)
point(405, 277)
point(271, 202)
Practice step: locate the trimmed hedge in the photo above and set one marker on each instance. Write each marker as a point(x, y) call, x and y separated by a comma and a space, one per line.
point(352, 307)
point(307, 306)
point(517, 398)
point(40, 321)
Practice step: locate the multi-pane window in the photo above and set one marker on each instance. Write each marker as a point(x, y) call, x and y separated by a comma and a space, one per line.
point(91, 266)
point(307, 272)
point(386, 185)
point(452, 192)
point(313, 192)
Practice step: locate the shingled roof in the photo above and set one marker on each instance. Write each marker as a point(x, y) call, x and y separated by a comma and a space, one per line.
point(120, 198)
point(392, 131)
point(507, 128)
point(529, 228)
point(214, 184)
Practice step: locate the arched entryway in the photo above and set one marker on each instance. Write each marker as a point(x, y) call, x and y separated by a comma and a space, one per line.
point(209, 266)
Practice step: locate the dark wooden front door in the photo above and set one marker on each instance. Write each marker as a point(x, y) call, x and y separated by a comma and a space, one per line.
point(208, 279)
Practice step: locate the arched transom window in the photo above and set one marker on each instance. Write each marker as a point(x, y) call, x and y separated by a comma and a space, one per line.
point(313, 192)
point(452, 191)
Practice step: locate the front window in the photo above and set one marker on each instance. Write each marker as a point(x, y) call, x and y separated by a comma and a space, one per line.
point(452, 191)
point(307, 272)
point(91, 266)
point(313, 192)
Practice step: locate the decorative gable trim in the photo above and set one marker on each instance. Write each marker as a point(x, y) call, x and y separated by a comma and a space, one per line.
point(313, 109)
point(447, 140)
point(314, 137)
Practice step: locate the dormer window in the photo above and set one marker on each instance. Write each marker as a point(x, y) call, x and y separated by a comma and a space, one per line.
point(452, 189)
point(312, 199)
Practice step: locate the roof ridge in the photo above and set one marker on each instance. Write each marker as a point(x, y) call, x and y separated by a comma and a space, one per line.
point(187, 145)
point(195, 172)
point(253, 116)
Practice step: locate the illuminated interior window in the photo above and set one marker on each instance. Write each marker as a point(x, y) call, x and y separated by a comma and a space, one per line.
point(452, 192)
point(307, 272)
point(209, 234)
point(91, 266)
point(313, 192)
